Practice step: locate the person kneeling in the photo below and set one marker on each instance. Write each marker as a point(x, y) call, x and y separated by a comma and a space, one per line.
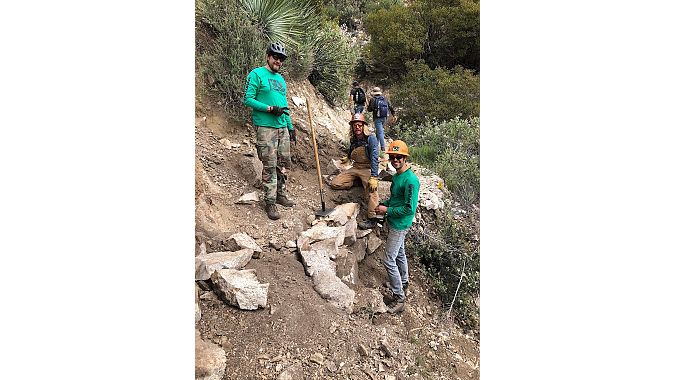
point(363, 152)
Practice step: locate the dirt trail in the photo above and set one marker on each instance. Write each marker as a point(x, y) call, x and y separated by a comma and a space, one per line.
point(298, 324)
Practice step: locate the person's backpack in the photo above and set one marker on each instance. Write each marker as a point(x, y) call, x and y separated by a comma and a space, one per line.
point(359, 96)
point(381, 106)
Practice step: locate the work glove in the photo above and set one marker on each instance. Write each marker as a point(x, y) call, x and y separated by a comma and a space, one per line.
point(373, 184)
point(277, 111)
point(292, 135)
point(343, 160)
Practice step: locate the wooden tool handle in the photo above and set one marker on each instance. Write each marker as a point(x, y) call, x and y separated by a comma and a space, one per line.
point(314, 142)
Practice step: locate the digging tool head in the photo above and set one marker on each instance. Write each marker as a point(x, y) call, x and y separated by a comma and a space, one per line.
point(323, 211)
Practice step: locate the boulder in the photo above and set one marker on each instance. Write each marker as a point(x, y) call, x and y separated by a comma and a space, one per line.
point(347, 266)
point(333, 290)
point(241, 288)
point(207, 264)
point(373, 243)
point(321, 231)
point(239, 241)
point(210, 360)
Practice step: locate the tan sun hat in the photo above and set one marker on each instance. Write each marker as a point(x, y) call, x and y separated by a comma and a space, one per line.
point(376, 91)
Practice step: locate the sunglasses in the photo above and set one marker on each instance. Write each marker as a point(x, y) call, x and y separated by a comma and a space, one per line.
point(278, 57)
point(396, 157)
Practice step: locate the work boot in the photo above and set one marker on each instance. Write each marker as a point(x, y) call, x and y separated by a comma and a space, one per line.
point(368, 224)
point(271, 210)
point(396, 306)
point(284, 201)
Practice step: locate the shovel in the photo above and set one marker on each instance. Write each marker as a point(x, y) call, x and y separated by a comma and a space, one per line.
point(324, 211)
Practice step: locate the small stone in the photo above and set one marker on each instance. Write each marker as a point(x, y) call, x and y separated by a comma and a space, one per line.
point(291, 244)
point(285, 224)
point(272, 310)
point(386, 348)
point(331, 366)
point(276, 245)
point(317, 358)
point(362, 350)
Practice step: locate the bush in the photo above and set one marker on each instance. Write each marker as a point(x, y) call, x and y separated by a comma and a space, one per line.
point(397, 36)
point(449, 148)
point(440, 94)
point(334, 63)
point(227, 48)
point(451, 257)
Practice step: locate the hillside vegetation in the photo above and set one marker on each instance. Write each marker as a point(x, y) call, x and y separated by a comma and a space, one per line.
point(424, 53)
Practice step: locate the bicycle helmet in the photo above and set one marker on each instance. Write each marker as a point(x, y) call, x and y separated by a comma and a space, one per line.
point(276, 48)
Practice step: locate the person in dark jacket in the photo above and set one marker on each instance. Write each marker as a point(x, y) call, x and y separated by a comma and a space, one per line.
point(357, 98)
point(363, 152)
point(381, 108)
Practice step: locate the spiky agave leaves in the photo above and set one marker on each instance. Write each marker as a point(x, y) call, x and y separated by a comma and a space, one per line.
point(283, 21)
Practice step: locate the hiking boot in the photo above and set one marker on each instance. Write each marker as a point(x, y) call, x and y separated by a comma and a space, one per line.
point(405, 288)
point(271, 210)
point(368, 224)
point(396, 307)
point(284, 201)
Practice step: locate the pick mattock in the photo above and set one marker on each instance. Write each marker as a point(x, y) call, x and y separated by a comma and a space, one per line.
point(324, 211)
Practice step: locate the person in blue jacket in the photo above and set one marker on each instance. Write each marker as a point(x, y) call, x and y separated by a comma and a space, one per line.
point(363, 153)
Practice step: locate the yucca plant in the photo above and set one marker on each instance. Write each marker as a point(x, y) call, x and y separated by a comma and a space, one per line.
point(284, 21)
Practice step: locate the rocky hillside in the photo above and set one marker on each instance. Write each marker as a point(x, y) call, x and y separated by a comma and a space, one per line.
point(302, 297)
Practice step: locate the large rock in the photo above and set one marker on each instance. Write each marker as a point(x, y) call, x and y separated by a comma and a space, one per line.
point(239, 241)
point(210, 360)
point(334, 290)
point(342, 213)
point(359, 249)
point(315, 261)
point(207, 264)
point(321, 231)
point(241, 288)
point(350, 232)
point(347, 267)
point(373, 243)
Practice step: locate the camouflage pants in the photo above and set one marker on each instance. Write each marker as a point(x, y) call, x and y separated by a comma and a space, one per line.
point(274, 151)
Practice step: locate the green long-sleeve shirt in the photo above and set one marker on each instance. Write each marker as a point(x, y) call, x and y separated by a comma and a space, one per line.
point(266, 88)
point(403, 200)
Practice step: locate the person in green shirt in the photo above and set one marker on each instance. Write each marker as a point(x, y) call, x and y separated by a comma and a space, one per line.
point(399, 211)
point(266, 95)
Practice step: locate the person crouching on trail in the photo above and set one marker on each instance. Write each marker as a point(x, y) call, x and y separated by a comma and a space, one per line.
point(266, 95)
point(363, 152)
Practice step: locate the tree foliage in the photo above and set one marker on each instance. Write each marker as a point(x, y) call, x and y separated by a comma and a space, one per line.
point(397, 36)
point(442, 33)
point(436, 94)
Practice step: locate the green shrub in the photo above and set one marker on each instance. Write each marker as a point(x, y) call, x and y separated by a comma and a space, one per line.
point(333, 64)
point(344, 12)
point(228, 46)
point(450, 252)
point(397, 36)
point(450, 149)
point(440, 94)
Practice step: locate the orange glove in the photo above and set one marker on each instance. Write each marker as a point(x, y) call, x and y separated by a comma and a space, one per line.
point(373, 184)
point(343, 160)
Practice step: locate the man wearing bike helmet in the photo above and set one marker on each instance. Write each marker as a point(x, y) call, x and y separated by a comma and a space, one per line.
point(265, 93)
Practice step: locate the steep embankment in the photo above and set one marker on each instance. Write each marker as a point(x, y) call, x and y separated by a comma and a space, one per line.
point(299, 334)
